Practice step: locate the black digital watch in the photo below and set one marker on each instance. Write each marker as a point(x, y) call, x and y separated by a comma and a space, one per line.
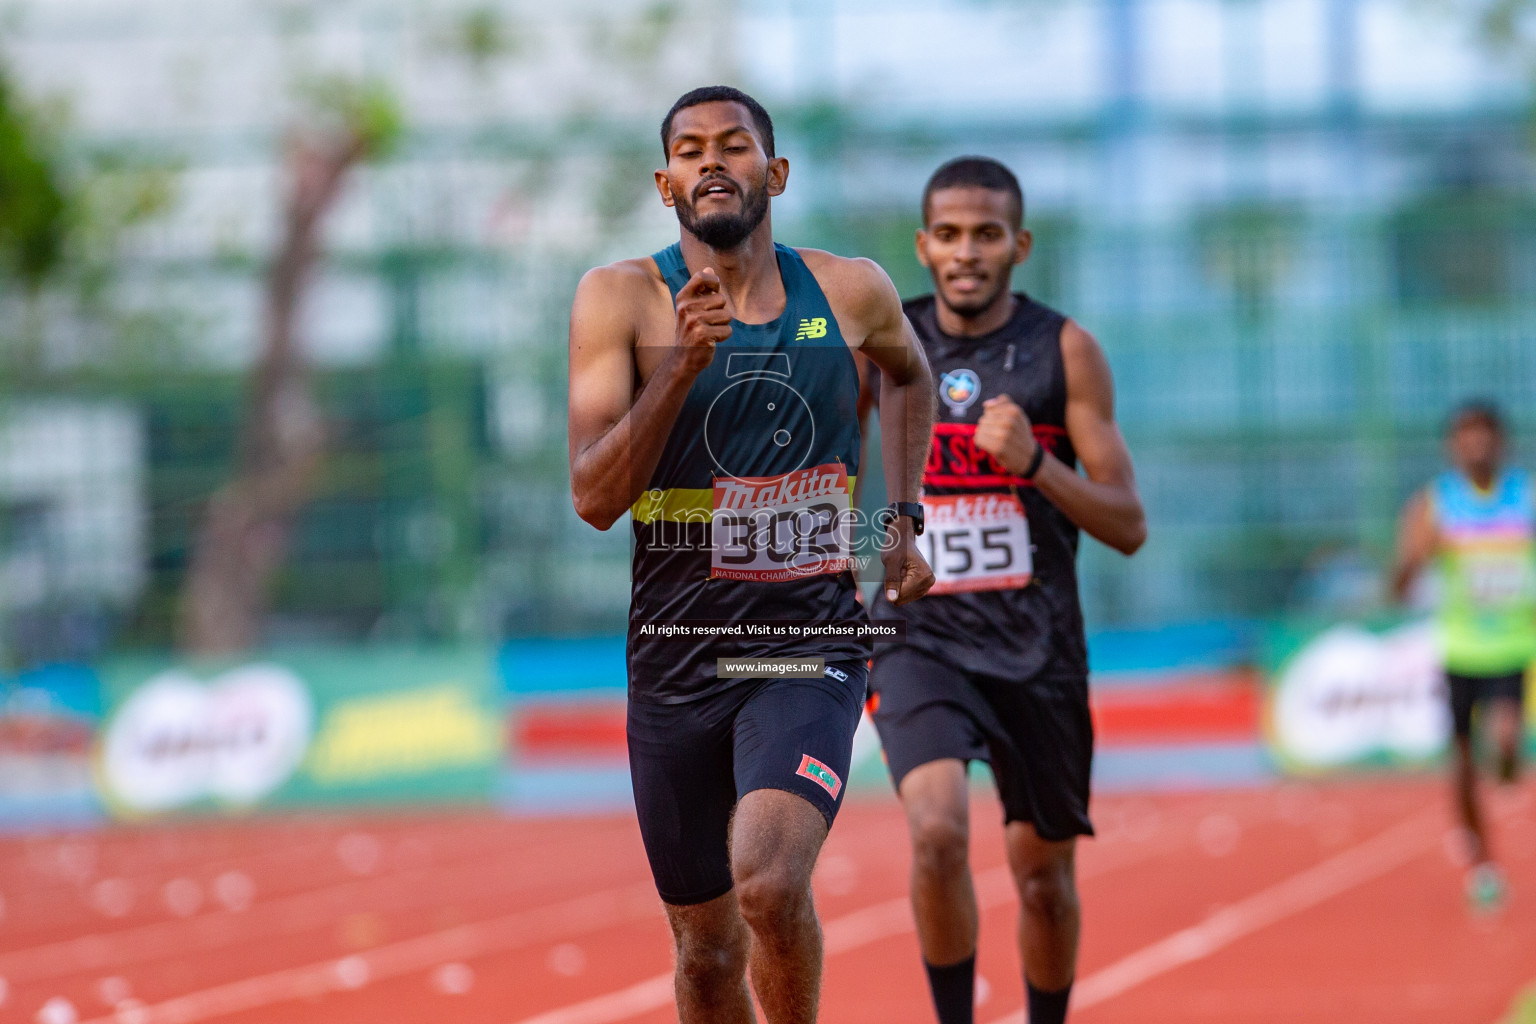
point(913, 510)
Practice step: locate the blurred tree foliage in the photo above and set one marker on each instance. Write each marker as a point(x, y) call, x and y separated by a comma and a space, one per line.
point(1465, 242)
point(362, 118)
point(637, 40)
point(1508, 24)
point(66, 213)
point(34, 210)
point(483, 35)
point(1506, 27)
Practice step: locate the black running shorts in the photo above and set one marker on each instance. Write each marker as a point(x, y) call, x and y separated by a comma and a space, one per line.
point(690, 763)
point(1468, 691)
point(1036, 734)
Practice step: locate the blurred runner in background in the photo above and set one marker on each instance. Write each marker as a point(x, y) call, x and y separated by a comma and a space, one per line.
point(995, 663)
point(1478, 520)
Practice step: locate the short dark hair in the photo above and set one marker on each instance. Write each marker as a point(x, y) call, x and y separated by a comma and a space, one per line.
point(719, 94)
point(975, 172)
point(1481, 411)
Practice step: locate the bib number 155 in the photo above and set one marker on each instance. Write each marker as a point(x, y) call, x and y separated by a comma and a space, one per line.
point(976, 542)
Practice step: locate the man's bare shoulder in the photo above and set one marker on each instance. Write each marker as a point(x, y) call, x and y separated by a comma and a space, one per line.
point(623, 299)
point(1078, 344)
point(850, 273)
point(625, 277)
point(860, 291)
point(1087, 367)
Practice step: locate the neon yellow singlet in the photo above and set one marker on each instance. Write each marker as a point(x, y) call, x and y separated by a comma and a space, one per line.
point(1487, 559)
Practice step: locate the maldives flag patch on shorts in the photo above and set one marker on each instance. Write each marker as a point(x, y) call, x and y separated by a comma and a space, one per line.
point(820, 774)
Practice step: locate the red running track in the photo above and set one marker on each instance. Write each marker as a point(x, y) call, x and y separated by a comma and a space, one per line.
point(1324, 903)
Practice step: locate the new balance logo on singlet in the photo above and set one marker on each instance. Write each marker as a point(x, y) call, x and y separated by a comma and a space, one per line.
point(813, 327)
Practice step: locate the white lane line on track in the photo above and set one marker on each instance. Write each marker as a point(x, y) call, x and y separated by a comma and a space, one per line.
point(883, 920)
point(894, 917)
point(852, 930)
point(116, 949)
point(651, 994)
point(279, 858)
point(588, 913)
point(1318, 884)
point(52, 901)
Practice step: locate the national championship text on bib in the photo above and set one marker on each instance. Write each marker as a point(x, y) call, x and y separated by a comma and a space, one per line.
point(775, 528)
point(976, 542)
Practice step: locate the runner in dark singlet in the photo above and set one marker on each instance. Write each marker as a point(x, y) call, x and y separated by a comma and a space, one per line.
point(713, 396)
point(995, 665)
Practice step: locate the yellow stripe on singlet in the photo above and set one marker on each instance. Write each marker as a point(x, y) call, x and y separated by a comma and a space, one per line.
point(675, 504)
point(682, 504)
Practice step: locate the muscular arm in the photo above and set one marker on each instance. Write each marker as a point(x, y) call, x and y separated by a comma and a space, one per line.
point(869, 389)
point(1104, 503)
point(867, 307)
point(1103, 500)
point(616, 437)
point(1415, 545)
point(905, 396)
point(869, 395)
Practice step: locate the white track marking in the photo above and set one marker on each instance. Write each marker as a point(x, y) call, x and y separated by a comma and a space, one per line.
point(651, 994)
point(851, 931)
point(894, 916)
point(453, 979)
point(153, 872)
point(309, 908)
point(859, 928)
point(525, 928)
point(1318, 884)
point(57, 1010)
point(887, 919)
point(54, 896)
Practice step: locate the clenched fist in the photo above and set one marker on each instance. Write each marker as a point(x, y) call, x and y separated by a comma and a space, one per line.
point(907, 574)
point(1004, 433)
point(704, 315)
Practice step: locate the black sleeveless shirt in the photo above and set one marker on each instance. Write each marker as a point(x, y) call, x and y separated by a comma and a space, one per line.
point(779, 400)
point(1037, 629)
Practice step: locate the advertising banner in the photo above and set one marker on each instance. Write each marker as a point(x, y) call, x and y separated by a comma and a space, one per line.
point(49, 719)
point(1352, 695)
point(300, 728)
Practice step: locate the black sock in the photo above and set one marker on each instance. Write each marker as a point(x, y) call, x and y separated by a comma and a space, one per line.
point(1509, 765)
point(1048, 1007)
point(954, 990)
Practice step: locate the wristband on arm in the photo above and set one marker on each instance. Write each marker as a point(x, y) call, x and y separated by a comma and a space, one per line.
point(1034, 463)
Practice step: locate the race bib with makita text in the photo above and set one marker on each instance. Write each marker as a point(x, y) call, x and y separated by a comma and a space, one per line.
point(776, 528)
point(976, 542)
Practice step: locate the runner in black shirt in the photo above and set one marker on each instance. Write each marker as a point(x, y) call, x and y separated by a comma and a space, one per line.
point(995, 666)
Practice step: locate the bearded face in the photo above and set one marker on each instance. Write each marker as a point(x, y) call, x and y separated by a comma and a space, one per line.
point(721, 213)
